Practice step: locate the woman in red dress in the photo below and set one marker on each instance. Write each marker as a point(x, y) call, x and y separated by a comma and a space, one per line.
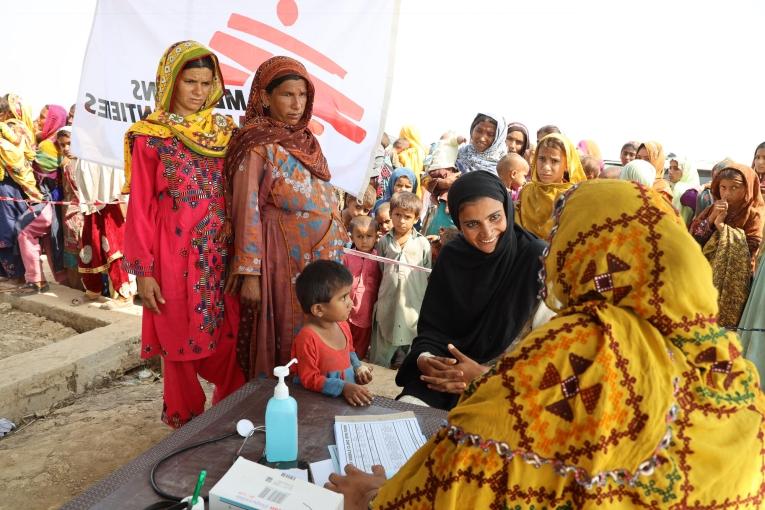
point(177, 236)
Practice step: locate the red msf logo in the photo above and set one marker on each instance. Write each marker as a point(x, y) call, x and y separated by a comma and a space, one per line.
point(330, 104)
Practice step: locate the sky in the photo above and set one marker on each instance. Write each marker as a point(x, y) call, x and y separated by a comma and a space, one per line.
point(685, 74)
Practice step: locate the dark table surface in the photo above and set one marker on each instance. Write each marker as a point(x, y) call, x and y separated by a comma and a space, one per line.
point(129, 486)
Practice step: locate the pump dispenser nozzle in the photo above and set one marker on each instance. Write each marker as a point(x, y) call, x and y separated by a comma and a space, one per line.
point(281, 390)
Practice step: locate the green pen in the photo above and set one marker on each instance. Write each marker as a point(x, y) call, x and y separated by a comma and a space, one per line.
point(198, 488)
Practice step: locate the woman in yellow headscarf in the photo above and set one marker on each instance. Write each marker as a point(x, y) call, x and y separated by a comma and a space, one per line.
point(17, 182)
point(653, 152)
point(631, 397)
point(176, 224)
point(555, 168)
point(17, 145)
point(413, 157)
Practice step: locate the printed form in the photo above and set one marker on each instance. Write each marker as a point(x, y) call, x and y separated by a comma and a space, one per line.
point(386, 439)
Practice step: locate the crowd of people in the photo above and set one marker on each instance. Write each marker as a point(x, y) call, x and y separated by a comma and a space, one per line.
point(585, 347)
point(55, 204)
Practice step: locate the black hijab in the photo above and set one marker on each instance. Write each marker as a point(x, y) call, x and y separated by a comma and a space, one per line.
point(477, 301)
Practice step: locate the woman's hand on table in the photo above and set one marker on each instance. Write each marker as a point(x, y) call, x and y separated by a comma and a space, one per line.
point(357, 487)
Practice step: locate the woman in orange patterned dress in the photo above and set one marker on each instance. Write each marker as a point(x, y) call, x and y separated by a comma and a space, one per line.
point(284, 211)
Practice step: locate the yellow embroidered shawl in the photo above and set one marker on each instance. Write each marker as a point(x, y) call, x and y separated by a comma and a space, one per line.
point(204, 132)
point(537, 199)
point(632, 397)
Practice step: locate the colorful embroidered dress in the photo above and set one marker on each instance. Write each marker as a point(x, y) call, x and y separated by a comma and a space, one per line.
point(177, 233)
point(632, 397)
point(285, 218)
point(176, 214)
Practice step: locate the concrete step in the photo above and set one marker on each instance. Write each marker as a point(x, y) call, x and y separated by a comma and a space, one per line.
point(108, 345)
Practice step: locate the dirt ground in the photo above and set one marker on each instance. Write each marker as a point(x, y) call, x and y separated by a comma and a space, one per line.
point(23, 331)
point(49, 461)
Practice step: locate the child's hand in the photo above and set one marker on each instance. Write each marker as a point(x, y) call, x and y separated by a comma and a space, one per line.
point(363, 374)
point(356, 395)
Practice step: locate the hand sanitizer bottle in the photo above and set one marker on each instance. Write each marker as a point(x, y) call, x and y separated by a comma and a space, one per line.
point(281, 421)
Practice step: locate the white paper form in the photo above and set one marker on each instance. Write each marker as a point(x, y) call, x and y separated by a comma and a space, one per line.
point(387, 439)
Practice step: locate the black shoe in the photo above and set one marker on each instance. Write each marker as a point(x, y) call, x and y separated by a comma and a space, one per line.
point(30, 289)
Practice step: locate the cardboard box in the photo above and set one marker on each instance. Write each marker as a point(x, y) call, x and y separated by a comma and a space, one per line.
point(252, 486)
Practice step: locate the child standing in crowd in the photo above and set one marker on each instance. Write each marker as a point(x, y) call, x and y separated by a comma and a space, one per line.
point(402, 179)
point(513, 169)
point(401, 288)
point(355, 207)
point(327, 362)
point(382, 218)
point(366, 282)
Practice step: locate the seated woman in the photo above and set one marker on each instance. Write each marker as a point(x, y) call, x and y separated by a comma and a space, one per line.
point(632, 397)
point(730, 233)
point(481, 293)
point(555, 168)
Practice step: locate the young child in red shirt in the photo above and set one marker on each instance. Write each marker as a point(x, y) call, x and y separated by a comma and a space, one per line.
point(366, 282)
point(327, 362)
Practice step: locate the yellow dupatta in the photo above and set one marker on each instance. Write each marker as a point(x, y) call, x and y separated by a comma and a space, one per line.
point(16, 153)
point(204, 132)
point(632, 397)
point(537, 199)
point(414, 156)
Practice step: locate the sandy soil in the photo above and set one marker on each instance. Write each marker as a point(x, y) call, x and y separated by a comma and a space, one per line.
point(49, 461)
point(22, 332)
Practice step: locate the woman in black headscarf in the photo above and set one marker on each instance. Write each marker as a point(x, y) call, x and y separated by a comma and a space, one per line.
point(482, 292)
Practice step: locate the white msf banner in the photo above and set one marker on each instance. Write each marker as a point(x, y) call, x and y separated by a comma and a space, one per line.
point(346, 45)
